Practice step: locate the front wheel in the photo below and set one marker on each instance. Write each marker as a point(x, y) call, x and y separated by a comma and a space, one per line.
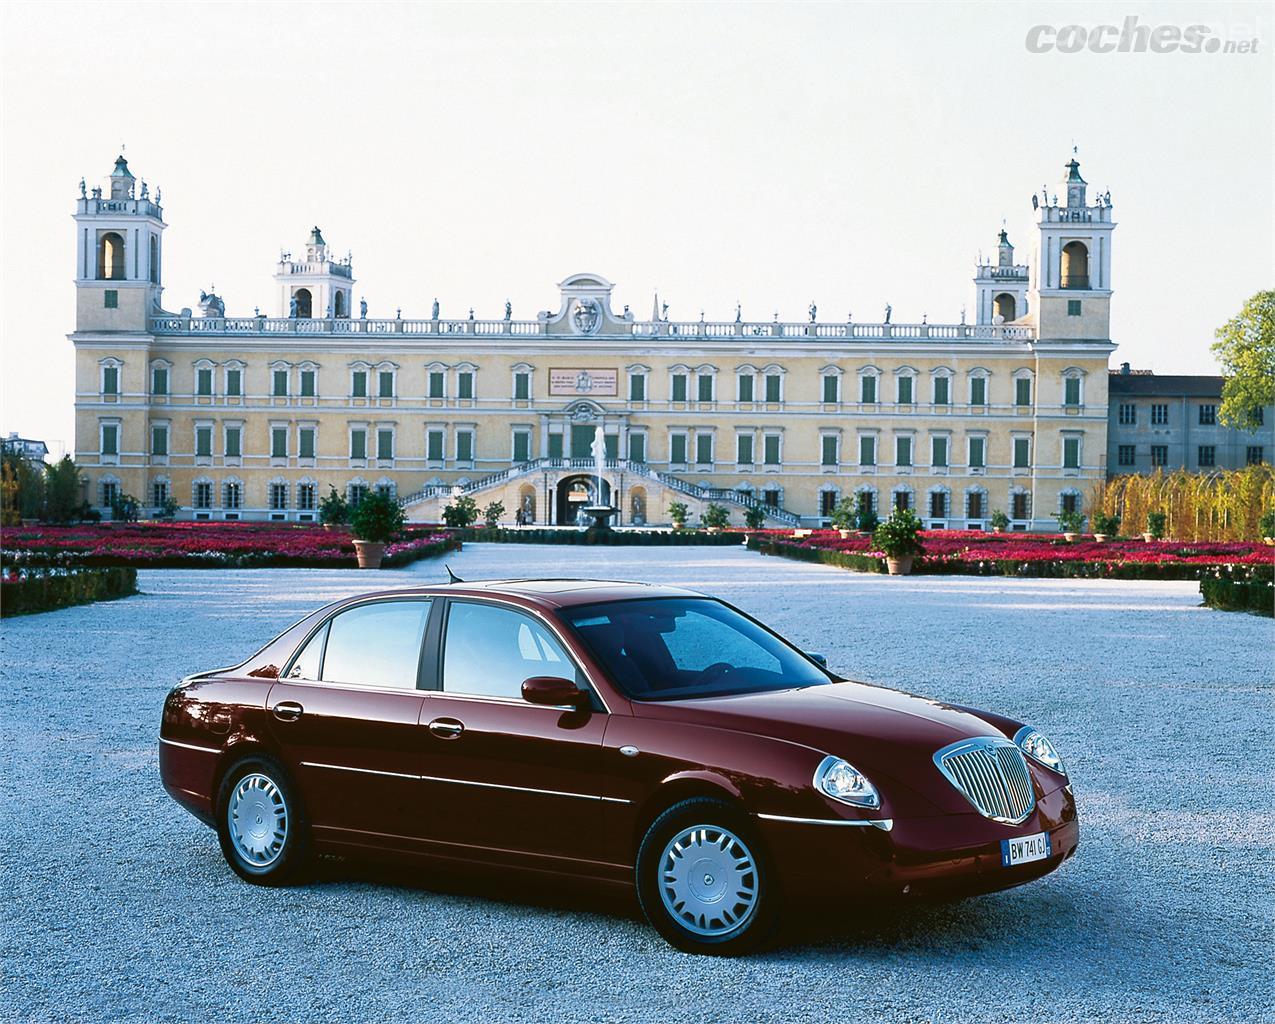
point(703, 881)
point(259, 822)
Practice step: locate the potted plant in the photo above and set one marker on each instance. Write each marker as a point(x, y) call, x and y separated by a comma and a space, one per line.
point(715, 517)
point(845, 516)
point(1104, 526)
point(1070, 523)
point(999, 521)
point(1266, 526)
point(492, 514)
point(374, 523)
point(334, 510)
point(898, 538)
point(678, 511)
point(461, 513)
point(1156, 523)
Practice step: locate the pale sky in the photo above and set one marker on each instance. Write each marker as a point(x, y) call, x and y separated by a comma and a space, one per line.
point(772, 154)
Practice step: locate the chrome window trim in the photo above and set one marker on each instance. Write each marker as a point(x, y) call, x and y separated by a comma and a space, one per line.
point(191, 746)
point(983, 743)
point(465, 782)
point(884, 824)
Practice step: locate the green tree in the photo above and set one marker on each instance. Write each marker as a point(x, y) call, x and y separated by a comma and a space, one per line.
point(755, 517)
point(492, 514)
point(678, 511)
point(1245, 347)
point(462, 512)
point(715, 517)
point(378, 518)
point(62, 491)
point(334, 509)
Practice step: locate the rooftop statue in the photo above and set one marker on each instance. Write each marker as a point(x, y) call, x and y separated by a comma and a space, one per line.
point(509, 310)
point(83, 191)
point(814, 311)
point(434, 312)
point(362, 308)
point(888, 310)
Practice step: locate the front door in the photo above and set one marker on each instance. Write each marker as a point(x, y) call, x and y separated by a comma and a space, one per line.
point(504, 778)
point(346, 716)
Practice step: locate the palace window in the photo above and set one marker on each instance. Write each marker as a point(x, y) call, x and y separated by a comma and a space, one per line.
point(307, 383)
point(522, 387)
point(1126, 455)
point(1159, 455)
point(677, 449)
point(110, 491)
point(159, 439)
point(110, 380)
point(942, 390)
point(771, 497)
point(1069, 501)
point(465, 385)
point(279, 388)
point(1160, 414)
point(831, 389)
point(278, 442)
point(868, 389)
point(829, 454)
point(159, 492)
point(745, 387)
point(555, 446)
point(385, 384)
point(436, 383)
point(1073, 307)
point(110, 257)
point(522, 446)
point(203, 442)
point(978, 391)
point(867, 450)
point(1023, 391)
point(774, 387)
point(902, 500)
point(159, 380)
point(464, 446)
point(770, 449)
point(232, 494)
point(1206, 456)
point(358, 443)
point(307, 498)
point(679, 387)
point(385, 444)
point(1020, 505)
point(978, 452)
point(1071, 453)
point(234, 383)
point(827, 502)
point(110, 439)
point(203, 492)
point(305, 442)
point(1022, 452)
point(1254, 455)
point(744, 449)
point(434, 446)
point(903, 451)
point(704, 387)
point(234, 448)
point(904, 390)
point(1128, 414)
point(703, 449)
point(938, 504)
point(203, 381)
point(938, 451)
point(1208, 415)
point(110, 299)
point(637, 387)
point(358, 384)
point(1071, 391)
point(278, 496)
point(974, 505)
point(357, 492)
point(637, 447)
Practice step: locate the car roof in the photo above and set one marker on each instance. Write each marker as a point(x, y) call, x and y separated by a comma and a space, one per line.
point(551, 593)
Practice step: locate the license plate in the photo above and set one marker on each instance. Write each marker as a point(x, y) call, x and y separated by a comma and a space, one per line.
point(1024, 849)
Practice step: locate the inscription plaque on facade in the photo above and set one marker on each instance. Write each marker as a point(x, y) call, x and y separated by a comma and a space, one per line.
point(603, 383)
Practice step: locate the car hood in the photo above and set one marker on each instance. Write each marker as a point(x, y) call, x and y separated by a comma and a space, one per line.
point(870, 726)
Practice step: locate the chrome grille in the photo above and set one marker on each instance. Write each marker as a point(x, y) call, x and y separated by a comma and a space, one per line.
point(992, 775)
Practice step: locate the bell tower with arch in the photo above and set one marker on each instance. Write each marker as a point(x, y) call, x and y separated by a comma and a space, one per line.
point(1071, 272)
point(316, 286)
point(119, 254)
point(1000, 287)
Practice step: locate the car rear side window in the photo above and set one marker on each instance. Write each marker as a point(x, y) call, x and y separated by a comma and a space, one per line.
point(489, 651)
point(306, 664)
point(377, 644)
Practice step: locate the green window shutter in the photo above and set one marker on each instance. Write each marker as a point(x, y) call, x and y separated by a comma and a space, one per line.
point(204, 382)
point(278, 442)
point(941, 387)
point(637, 447)
point(744, 449)
point(867, 450)
point(465, 385)
point(771, 452)
point(611, 445)
point(1022, 452)
point(829, 452)
point(772, 387)
point(830, 383)
point(358, 444)
point(305, 447)
point(555, 446)
point(159, 441)
point(203, 441)
point(522, 387)
point(385, 380)
point(464, 446)
point(110, 440)
point(232, 442)
point(359, 384)
point(1023, 391)
point(637, 388)
point(978, 454)
point(1072, 391)
point(677, 448)
point(903, 451)
point(159, 381)
point(938, 451)
point(978, 391)
point(1071, 453)
point(905, 391)
point(522, 447)
point(868, 390)
point(111, 299)
point(234, 383)
point(436, 384)
point(705, 386)
point(434, 446)
point(745, 388)
point(385, 444)
point(307, 383)
point(110, 380)
point(679, 387)
point(703, 449)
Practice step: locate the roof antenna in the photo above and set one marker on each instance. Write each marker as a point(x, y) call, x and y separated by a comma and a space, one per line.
point(451, 576)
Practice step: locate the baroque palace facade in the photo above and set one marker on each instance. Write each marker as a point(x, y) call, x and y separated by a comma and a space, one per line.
point(255, 417)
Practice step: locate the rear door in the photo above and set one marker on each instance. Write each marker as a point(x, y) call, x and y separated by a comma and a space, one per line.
point(346, 716)
point(502, 776)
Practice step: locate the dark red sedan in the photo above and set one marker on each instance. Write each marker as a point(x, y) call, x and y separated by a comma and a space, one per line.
point(634, 734)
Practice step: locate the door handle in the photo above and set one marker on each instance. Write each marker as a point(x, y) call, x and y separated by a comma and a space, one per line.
point(446, 728)
point(287, 710)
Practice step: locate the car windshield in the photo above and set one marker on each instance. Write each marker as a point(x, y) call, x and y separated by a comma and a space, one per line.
point(678, 648)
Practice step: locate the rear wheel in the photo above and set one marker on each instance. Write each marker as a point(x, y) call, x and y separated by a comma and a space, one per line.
point(703, 880)
point(259, 822)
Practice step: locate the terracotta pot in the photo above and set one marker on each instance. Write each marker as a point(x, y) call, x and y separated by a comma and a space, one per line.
point(1269, 540)
point(845, 534)
point(1148, 538)
point(712, 529)
point(996, 529)
point(369, 553)
point(1101, 538)
point(901, 566)
point(1070, 538)
point(329, 527)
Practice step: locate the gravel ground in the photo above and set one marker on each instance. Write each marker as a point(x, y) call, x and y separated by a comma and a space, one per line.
point(116, 905)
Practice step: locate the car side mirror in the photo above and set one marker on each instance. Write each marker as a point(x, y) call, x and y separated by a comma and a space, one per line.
point(554, 691)
point(822, 659)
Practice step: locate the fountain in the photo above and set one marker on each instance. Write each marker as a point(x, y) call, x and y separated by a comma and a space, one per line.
point(601, 513)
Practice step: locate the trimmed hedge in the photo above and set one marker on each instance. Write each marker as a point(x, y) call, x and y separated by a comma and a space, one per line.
point(619, 538)
point(46, 589)
point(1240, 595)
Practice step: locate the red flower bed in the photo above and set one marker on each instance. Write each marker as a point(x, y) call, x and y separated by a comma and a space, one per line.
point(1034, 554)
point(207, 545)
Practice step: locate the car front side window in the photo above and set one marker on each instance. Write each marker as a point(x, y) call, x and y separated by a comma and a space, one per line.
point(376, 644)
point(488, 651)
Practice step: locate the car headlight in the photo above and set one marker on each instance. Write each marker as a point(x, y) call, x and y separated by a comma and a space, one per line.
point(1036, 745)
point(844, 782)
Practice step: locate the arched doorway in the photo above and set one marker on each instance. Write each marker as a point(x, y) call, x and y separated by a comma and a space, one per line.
point(304, 303)
point(338, 304)
point(574, 493)
point(110, 257)
point(1075, 265)
point(1004, 307)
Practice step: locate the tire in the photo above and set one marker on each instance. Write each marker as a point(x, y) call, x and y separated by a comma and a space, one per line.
point(704, 881)
point(260, 823)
